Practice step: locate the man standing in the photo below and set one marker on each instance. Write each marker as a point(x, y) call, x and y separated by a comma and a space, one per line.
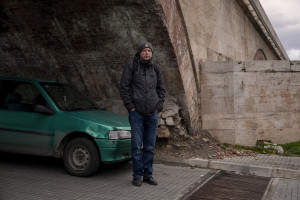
point(143, 92)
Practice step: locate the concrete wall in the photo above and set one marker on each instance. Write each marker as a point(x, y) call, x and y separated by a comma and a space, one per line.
point(208, 30)
point(246, 101)
point(220, 30)
point(188, 76)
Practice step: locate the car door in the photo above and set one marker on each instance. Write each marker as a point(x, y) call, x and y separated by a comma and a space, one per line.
point(23, 126)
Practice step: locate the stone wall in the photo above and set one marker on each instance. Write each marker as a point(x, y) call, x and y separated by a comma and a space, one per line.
point(246, 101)
point(85, 43)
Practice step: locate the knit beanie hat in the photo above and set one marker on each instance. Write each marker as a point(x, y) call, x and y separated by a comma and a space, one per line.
point(143, 46)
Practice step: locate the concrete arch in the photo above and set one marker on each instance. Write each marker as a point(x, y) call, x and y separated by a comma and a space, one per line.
point(260, 55)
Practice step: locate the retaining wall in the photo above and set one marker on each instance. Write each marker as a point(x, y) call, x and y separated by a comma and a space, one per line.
point(246, 101)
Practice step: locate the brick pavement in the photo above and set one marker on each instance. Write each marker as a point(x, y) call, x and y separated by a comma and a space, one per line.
point(284, 170)
point(45, 178)
point(29, 177)
point(284, 189)
point(266, 160)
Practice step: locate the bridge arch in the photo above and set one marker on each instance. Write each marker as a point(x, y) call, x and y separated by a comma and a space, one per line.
point(260, 55)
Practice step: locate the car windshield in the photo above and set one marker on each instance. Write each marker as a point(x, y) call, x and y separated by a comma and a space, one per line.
point(68, 98)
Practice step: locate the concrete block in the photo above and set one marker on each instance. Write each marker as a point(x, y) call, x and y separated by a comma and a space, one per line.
point(229, 166)
point(295, 66)
point(246, 137)
point(225, 124)
point(261, 171)
point(258, 66)
point(216, 67)
point(226, 136)
point(286, 173)
point(245, 78)
point(281, 65)
point(229, 105)
point(212, 105)
point(203, 163)
point(208, 124)
point(245, 104)
point(213, 80)
point(238, 66)
point(214, 91)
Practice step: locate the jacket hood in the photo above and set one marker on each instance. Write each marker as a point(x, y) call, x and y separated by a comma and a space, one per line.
point(136, 59)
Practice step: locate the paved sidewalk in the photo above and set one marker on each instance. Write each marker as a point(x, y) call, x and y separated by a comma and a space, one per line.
point(29, 177)
point(285, 172)
point(37, 178)
point(284, 189)
point(262, 165)
point(274, 161)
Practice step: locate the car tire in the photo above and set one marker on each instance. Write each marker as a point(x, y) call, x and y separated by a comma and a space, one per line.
point(81, 157)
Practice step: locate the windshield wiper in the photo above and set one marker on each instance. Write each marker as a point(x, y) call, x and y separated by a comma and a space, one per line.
point(93, 107)
point(88, 108)
point(77, 108)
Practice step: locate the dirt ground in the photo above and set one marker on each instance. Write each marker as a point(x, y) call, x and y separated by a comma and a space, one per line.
point(201, 145)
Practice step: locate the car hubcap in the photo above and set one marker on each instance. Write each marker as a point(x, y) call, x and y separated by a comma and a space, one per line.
point(80, 157)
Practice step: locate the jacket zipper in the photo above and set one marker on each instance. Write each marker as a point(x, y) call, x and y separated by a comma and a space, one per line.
point(146, 90)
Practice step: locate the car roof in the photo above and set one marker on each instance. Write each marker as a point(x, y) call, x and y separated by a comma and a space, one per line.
point(26, 79)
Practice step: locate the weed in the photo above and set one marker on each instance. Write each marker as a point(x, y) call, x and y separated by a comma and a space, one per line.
point(291, 149)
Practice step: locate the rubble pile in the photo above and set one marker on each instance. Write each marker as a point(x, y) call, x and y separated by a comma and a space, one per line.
point(173, 139)
point(170, 122)
point(231, 152)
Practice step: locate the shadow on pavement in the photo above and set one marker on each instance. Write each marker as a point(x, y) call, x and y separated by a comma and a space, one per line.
point(53, 164)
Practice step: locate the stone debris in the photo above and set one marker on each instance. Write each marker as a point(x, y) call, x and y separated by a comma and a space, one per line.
point(231, 152)
point(169, 113)
point(180, 143)
point(171, 105)
point(170, 121)
point(205, 140)
point(161, 122)
point(279, 149)
point(266, 146)
point(163, 132)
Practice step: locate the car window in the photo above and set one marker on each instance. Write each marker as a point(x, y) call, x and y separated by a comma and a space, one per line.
point(27, 91)
point(20, 96)
point(68, 98)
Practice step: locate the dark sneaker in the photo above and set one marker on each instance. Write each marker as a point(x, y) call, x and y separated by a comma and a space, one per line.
point(137, 182)
point(150, 180)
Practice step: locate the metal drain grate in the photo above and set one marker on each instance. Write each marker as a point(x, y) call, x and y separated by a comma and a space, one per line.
point(227, 185)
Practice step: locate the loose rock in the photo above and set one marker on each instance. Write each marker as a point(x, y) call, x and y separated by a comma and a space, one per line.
point(205, 140)
point(169, 121)
point(168, 113)
point(163, 132)
point(161, 122)
point(279, 149)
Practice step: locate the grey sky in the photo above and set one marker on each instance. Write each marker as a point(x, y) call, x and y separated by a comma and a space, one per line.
point(285, 18)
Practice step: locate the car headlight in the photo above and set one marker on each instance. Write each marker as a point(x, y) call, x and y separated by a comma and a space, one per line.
point(115, 135)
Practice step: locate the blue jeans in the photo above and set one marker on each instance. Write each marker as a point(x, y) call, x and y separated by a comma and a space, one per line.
point(143, 138)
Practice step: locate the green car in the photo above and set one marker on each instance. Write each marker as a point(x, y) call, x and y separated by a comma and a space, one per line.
point(53, 119)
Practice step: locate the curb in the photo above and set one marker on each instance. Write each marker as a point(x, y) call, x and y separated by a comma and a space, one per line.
point(248, 169)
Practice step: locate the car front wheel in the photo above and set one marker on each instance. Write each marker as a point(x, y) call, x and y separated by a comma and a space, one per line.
point(81, 157)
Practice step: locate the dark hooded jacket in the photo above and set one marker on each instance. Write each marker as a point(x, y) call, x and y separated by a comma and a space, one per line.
point(142, 87)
